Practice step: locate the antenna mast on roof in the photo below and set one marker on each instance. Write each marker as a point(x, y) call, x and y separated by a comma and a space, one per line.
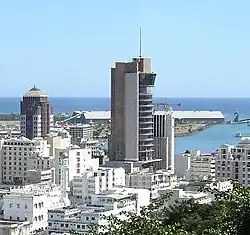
point(140, 43)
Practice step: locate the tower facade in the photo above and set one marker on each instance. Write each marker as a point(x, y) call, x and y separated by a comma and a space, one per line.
point(164, 138)
point(132, 129)
point(36, 114)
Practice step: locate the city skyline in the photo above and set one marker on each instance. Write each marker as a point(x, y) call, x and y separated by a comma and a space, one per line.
point(193, 44)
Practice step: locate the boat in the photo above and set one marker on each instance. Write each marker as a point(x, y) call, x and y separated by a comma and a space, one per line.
point(238, 135)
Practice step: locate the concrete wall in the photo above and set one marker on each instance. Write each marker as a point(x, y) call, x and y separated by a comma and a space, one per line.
point(161, 152)
point(131, 116)
point(182, 164)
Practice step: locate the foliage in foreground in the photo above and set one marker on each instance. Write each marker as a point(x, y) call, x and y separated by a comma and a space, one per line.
point(229, 214)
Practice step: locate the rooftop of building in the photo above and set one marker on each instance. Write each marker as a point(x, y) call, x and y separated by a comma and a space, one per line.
point(186, 114)
point(192, 194)
point(78, 125)
point(243, 143)
point(22, 139)
point(13, 224)
point(120, 192)
point(150, 172)
point(35, 92)
point(192, 114)
point(74, 211)
point(97, 115)
point(34, 189)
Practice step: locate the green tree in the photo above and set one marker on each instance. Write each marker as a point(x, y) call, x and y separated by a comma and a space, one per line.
point(228, 214)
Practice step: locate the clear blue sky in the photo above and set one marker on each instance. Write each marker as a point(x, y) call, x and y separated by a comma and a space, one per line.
point(66, 47)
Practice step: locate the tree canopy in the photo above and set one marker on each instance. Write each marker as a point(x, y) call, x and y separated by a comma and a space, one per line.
point(228, 214)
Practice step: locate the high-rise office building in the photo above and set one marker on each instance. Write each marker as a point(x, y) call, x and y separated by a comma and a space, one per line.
point(132, 129)
point(164, 138)
point(36, 114)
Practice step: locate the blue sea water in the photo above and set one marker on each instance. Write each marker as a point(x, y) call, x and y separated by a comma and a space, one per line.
point(207, 140)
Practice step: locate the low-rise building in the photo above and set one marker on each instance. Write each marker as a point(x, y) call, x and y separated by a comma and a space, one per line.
point(178, 194)
point(153, 181)
point(233, 162)
point(182, 164)
point(58, 139)
point(79, 218)
point(72, 161)
point(19, 155)
point(32, 202)
point(80, 132)
point(93, 145)
point(15, 227)
point(94, 182)
point(202, 166)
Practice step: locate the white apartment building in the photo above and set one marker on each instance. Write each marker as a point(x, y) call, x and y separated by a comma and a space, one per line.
point(15, 227)
point(58, 139)
point(233, 162)
point(19, 155)
point(181, 195)
point(72, 161)
point(94, 182)
point(64, 220)
point(93, 145)
point(9, 134)
point(153, 181)
point(164, 138)
point(80, 132)
point(182, 164)
point(202, 166)
point(32, 202)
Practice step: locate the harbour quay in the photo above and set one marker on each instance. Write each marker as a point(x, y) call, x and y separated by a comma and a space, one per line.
point(181, 117)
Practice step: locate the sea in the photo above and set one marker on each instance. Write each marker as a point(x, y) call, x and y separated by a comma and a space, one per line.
point(206, 141)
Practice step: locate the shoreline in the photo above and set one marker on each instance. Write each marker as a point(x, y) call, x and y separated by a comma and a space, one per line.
point(183, 130)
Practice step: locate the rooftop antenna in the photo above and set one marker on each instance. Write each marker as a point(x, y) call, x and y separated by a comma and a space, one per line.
point(140, 43)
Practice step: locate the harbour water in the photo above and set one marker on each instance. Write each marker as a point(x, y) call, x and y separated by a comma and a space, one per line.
point(207, 140)
point(211, 138)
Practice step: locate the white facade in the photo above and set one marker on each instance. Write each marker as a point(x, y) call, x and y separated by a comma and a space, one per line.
point(72, 161)
point(9, 134)
point(94, 182)
point(233, 162)
point(93, 145)
point(164, 138)
point(182, 164)
point(181, 195)
point(108, 203)
point(59, 139)
point(15, 227)
point(202, 166)
point(153, 181)
point(31, 203)
point(19, 155)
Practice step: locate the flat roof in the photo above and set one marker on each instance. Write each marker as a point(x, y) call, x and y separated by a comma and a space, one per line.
point(97, 115)
point(192, 114)
point(187, 114)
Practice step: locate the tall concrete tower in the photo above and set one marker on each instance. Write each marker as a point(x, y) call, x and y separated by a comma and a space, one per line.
point(132, 129)
point(36, 114)
point(164, 138)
